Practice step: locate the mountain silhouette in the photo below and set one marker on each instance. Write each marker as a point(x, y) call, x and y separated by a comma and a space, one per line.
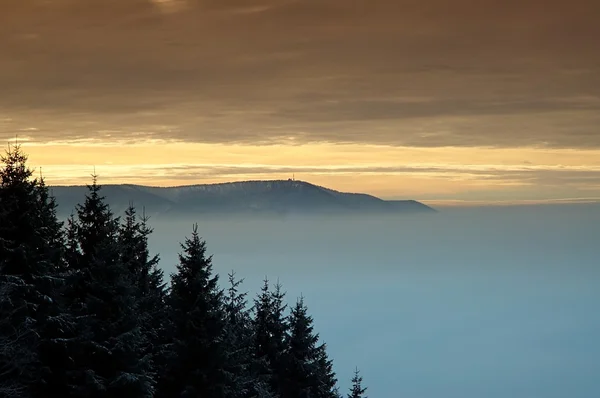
point(254, 197)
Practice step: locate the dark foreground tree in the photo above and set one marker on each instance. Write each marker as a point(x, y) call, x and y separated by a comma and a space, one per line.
point(30, 259)
point(270, 326)
point(308, 371)
point(326, 380)
point(149, 286)
point(238, 339)
point(357, 390)
point(107, 346)
point(199, 360)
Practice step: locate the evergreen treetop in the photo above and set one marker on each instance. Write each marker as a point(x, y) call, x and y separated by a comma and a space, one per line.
point(199, 367)
point(108, 344)
point(357, 390)
point(30, 257)
point(308, 371)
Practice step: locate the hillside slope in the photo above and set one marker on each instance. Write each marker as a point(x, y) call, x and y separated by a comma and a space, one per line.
point(279, 197)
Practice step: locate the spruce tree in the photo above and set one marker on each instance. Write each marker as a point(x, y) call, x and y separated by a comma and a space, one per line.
point(199, 363)
point(52, 350)
point(150, 289)
point(357, 390)
point(147, 277)
point(326, 380)
point(308, 371)
point(238, 339)
point(107, 345)
point(270, 327)
point(154, 304)
point(30, 255)
point(17, 342)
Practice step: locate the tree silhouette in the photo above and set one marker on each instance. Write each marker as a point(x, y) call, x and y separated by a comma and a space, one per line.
point(30, 257)
point(357, 390)
point(107, 345)
point(199, 364)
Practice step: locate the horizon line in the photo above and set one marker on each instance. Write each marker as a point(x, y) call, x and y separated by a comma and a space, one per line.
point(509, 202)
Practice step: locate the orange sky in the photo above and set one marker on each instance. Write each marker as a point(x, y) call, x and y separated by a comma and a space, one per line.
point(433, 100)
point(431, 174)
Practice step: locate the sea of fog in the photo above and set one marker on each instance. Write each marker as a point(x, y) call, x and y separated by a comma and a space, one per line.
point(465, 303)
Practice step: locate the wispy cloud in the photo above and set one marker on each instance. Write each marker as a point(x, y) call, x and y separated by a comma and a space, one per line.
point(556, 178)
point(229, 71)
point(443, 99)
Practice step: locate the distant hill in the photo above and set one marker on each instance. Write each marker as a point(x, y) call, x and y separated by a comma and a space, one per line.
point(248, 197)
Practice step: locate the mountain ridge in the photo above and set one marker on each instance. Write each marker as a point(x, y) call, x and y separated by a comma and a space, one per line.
point(253, 196)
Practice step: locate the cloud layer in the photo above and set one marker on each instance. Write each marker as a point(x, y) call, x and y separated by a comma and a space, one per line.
point(411, 73)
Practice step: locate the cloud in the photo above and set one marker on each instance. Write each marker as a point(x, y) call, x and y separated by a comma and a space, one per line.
point(169, 6)
point(433, 73)
point(572, 177)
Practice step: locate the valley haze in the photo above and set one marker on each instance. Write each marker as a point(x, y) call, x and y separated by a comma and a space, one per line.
point(464, 302)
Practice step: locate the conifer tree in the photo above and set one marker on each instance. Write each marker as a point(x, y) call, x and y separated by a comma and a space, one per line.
point(17, 358)
point(133, 236)
point(238, 339)
point(154, 303)
point(308, 372)
point(270, 327)
point(107, 345)
point(30, 254)
point(150, 290)
point(357, 390)
point(52, 349)
point(135, 255)
point(326, 380)
point(199, 365)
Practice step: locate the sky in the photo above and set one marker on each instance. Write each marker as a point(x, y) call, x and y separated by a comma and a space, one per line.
point(458, 101)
